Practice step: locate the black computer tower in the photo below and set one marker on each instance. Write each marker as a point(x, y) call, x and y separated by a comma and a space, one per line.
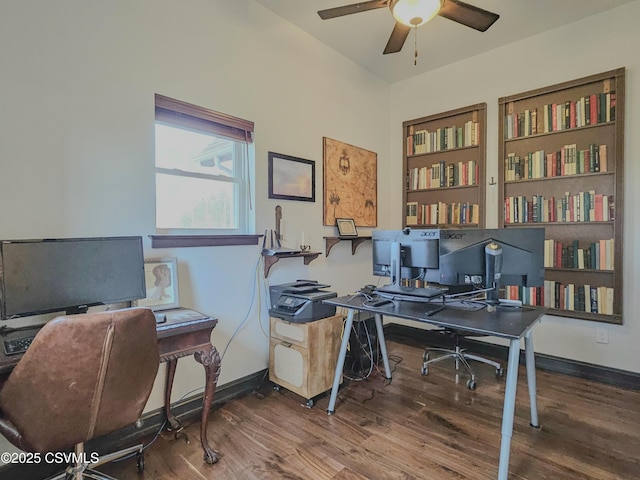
point(363, 347)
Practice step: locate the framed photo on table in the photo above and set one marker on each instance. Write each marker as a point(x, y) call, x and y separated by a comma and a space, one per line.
point(346, 227)
point(161, 278)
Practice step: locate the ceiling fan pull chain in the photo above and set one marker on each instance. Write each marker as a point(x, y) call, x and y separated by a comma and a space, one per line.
point(415, 45)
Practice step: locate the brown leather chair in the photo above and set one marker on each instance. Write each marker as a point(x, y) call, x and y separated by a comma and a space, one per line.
point(82, 377)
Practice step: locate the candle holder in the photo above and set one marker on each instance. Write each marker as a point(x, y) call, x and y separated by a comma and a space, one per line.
point(305, 248)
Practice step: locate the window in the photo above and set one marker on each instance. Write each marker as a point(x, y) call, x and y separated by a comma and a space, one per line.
point(203, 170)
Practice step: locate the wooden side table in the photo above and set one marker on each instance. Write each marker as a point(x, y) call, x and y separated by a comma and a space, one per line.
point(187, 332)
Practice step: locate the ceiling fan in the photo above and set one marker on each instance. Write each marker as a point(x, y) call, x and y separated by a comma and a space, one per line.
point(413, 13)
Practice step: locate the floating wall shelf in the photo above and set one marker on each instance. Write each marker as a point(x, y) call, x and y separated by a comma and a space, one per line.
point(270, 260)
point(355, 241)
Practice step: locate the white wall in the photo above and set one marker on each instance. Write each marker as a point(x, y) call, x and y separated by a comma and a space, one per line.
point(76, 138)
point(596, 44)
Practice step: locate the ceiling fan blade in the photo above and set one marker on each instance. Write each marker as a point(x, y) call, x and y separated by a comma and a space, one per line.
point(468, 15)
point(354, 8)
point(396, 40)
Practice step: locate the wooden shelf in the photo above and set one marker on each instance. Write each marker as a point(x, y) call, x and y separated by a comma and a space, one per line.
point(424, 158)
point(557, 132)
point(445, 225)
point(355, 241)
point(440, 152)
point(270, 260)
point(557, 147)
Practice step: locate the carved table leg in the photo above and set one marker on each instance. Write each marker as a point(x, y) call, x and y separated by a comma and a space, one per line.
point(174, 423)
point(210, 360)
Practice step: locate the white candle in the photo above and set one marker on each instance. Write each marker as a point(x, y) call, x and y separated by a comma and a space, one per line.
point(302, 239)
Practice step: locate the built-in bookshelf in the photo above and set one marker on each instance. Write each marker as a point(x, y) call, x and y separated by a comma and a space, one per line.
point(560, 166)
point(444, 169)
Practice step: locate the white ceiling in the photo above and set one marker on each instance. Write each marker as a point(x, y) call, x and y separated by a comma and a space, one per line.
point(363, 36)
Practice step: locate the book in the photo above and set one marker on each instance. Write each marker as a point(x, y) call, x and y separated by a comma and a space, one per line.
point(602, 151)
point(608, 310)
point(594, 300)
point(587, 298)
point(412, 213)
point(612, 107)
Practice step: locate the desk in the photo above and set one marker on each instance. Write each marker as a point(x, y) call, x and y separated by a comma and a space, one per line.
point(506, 322)
point(185, 332)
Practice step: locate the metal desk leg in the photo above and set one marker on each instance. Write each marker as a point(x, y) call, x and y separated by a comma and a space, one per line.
point(340, 364)
point(531, 378)
point(508, 410)
point(383, 346)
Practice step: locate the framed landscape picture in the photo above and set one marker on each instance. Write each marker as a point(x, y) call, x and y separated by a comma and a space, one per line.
point(291, 178)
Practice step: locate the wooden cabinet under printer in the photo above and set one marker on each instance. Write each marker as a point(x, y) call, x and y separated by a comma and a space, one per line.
point(303, 356)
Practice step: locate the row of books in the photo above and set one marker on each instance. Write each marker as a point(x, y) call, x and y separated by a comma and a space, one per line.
point(441, 213)
point(527, 295)
point(441, 175)
point(445, 138)
point(588, 110)
point(597, 255)
point(567, 161)
point(579, 207)
point(580, 298)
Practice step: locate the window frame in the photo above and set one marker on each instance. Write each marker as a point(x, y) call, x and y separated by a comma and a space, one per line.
point(180, 114)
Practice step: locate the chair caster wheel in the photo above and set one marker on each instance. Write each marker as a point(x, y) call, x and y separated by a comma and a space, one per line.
point(310, 403)
point(499, 373)
point(140, 462)
point(424, 371)
point(276, 388)
point(471, 384)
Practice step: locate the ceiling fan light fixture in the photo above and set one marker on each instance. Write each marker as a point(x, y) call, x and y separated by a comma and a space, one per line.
point(414, 13)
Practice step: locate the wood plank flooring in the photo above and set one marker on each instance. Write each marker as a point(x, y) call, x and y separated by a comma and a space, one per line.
point(414, 427)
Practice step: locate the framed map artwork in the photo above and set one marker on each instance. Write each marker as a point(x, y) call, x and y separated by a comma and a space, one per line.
point(350, 184)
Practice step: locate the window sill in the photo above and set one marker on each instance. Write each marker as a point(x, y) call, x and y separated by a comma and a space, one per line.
point(169, 241)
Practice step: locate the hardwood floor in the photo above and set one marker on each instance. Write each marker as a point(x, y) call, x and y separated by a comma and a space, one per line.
point(414, 427)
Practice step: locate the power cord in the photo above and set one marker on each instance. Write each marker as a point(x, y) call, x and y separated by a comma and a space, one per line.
point(246, 317)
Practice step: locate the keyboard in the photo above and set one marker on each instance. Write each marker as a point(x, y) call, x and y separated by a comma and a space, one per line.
point(15, 346)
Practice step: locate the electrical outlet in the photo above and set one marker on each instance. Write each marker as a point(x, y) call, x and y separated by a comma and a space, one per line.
point(602, 335)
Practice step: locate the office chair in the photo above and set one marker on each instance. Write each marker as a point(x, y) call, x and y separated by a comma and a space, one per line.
point(460, 357)
point(82, 377)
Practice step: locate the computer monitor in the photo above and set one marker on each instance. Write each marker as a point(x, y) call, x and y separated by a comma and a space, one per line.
point(463, 260)
point(405, 254)
point(52, 275)
point(490, 258)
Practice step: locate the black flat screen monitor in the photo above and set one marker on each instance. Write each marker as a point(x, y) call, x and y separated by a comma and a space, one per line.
point(463, 258)
point(52, 275)
point(418, 250)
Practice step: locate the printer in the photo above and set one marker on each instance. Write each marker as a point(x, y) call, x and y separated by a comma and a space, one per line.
point(301, 301)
